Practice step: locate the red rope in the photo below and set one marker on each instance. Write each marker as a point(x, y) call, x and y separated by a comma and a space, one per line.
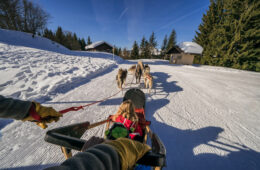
point(82, 107)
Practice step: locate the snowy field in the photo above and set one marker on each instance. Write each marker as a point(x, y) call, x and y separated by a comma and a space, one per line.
point(207, 117)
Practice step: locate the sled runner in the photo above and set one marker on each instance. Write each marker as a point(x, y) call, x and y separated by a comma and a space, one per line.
point(68, 137)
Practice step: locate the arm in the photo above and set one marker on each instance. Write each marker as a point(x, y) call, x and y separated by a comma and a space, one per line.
point(14, 109)
point(27, 111)
point(121, 153)
point(101, 156)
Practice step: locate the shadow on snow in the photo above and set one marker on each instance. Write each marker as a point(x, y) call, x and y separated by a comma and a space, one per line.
point(162, 86)
point(180, 145)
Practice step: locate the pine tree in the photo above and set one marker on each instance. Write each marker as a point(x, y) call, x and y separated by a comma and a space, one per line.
point(89, 41)
point(172, 40)
point(115, 50)
point(82, 44)
point(75, 43)
point(142, 47)
point(147, 50)
point(48, 34)
point(164, 45)
point(211, 33)
point(152, 40)
point(68, 40)
point(120, 52)
point(59, 35)
point(230, 34)
point(125, 53)
point(135, 51)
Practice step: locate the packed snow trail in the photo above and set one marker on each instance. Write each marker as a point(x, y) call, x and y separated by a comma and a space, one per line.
point(207, 117)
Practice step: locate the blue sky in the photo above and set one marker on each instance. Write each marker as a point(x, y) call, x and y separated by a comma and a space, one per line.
point(121, 22)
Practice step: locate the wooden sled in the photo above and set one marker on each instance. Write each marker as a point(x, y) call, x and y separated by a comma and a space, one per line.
point(68, 137)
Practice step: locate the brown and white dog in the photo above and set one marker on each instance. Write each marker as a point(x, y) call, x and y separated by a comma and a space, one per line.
point(138, 73)
point(148, 81)
point(146, 69)
point(121, 77)
point(132, 69)
point(140, 63)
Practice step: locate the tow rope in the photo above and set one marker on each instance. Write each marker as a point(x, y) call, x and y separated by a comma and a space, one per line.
point(82, 107)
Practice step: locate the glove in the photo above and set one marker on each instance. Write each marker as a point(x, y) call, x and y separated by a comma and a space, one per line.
point(130, 151)
point(42, 115)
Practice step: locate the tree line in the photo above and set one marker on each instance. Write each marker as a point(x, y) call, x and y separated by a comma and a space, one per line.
point(25, 16)
point(230, 34)
point(147, 48)
point(67, 39)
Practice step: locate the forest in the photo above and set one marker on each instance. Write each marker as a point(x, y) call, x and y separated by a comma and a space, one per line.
point(230, 34)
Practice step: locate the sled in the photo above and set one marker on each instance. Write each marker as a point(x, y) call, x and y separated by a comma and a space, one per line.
point(69, 137)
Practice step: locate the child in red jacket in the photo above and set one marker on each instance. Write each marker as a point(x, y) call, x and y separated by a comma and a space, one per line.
point(127, 116)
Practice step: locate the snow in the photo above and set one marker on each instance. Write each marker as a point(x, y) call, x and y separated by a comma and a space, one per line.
point(28, 72)
point(207, 117)
point(190, 47)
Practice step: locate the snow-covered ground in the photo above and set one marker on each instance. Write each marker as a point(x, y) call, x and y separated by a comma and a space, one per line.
point(38, 69)
point(207, 117)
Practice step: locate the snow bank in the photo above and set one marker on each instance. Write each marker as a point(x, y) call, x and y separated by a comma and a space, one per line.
point(38, 69)
point(18, 38)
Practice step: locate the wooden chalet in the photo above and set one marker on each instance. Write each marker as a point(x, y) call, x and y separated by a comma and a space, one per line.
point(101, 46)
point(184, 53)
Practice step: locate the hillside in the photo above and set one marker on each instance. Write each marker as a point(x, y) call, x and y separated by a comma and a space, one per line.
point(38, 69)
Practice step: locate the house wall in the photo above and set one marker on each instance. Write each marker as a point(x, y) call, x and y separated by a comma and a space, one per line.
point(174, 58)
point(181, 58)
point(104, 47)
point(186, 59)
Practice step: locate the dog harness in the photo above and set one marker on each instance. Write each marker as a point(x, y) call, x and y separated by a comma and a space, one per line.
point(148, 76)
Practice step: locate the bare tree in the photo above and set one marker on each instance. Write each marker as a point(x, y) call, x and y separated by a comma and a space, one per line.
point(10, 17)
point(34, 18)
point(22, 15)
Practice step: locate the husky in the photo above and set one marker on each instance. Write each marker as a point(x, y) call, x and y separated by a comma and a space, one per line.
point(132, 69)
point(138, 73)
point(146, 69)
point(121, 77)
point(148, 81)
point(140, 63)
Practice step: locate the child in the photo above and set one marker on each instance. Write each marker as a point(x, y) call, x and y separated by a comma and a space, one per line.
point(127, 116)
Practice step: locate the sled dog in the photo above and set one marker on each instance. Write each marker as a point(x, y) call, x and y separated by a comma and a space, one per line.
point(148, 81)
point(146, 69)
point(138, 73)
point(132, 69)
point(140, 63)
point(121, 77)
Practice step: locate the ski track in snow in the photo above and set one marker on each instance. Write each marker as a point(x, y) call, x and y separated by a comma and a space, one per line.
point(207, 117)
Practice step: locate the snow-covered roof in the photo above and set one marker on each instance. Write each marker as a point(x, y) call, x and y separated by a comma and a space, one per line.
point(190, 47)
point(95, 44)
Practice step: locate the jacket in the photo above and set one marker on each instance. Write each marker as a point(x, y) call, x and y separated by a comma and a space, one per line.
point(130, 124)
point(14, 109)
point(101, 156)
